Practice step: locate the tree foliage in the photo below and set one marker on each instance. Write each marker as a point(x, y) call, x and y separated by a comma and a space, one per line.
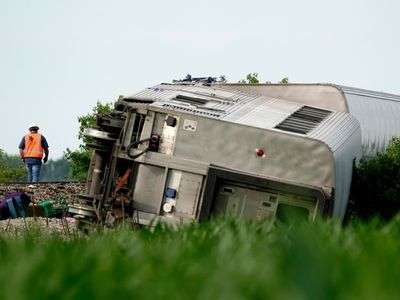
point(284, 80)
point(376, 185)
point(11, 168)
point(89, 120)
point(80, 159)
point(252, 78)
point(79, 162)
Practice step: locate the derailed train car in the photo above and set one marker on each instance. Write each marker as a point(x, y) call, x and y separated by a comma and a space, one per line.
point(184, 152)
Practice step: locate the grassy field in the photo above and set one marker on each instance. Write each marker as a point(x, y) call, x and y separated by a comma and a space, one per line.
point(222, 259)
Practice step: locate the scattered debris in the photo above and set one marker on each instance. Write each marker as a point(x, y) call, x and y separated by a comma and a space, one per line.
point(42, 215)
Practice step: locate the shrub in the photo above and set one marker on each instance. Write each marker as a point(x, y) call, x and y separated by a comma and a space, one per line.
point(376, 185)
point(11, 168)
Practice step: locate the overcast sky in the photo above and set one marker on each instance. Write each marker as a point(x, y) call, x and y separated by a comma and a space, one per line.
point(58, 58)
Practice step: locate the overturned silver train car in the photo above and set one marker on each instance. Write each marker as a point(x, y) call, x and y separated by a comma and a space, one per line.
point(184, 152)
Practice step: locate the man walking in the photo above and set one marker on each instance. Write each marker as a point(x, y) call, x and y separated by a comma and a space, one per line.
point(31, 149)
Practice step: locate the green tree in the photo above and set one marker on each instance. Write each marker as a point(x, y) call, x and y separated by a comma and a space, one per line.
point(284, 80)
point(376, 185)
point(11, 168)
point(252, 78)
point(80, 159)
point(79, 162)
point(89, 120)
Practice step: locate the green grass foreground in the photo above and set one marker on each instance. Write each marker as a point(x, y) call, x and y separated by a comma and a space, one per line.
point(221, 259)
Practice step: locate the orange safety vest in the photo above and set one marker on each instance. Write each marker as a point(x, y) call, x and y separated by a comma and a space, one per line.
point(33, 145)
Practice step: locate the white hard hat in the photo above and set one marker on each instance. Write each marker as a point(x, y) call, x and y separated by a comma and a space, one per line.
point(33, 125)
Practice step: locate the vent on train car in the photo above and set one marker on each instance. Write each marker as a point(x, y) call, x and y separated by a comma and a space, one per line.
point(304, 120)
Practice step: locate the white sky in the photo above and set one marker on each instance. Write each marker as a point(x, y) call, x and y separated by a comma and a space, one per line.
point(58, 58)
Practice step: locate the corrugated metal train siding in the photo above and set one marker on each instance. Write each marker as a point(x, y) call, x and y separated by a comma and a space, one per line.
point(379, 117)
